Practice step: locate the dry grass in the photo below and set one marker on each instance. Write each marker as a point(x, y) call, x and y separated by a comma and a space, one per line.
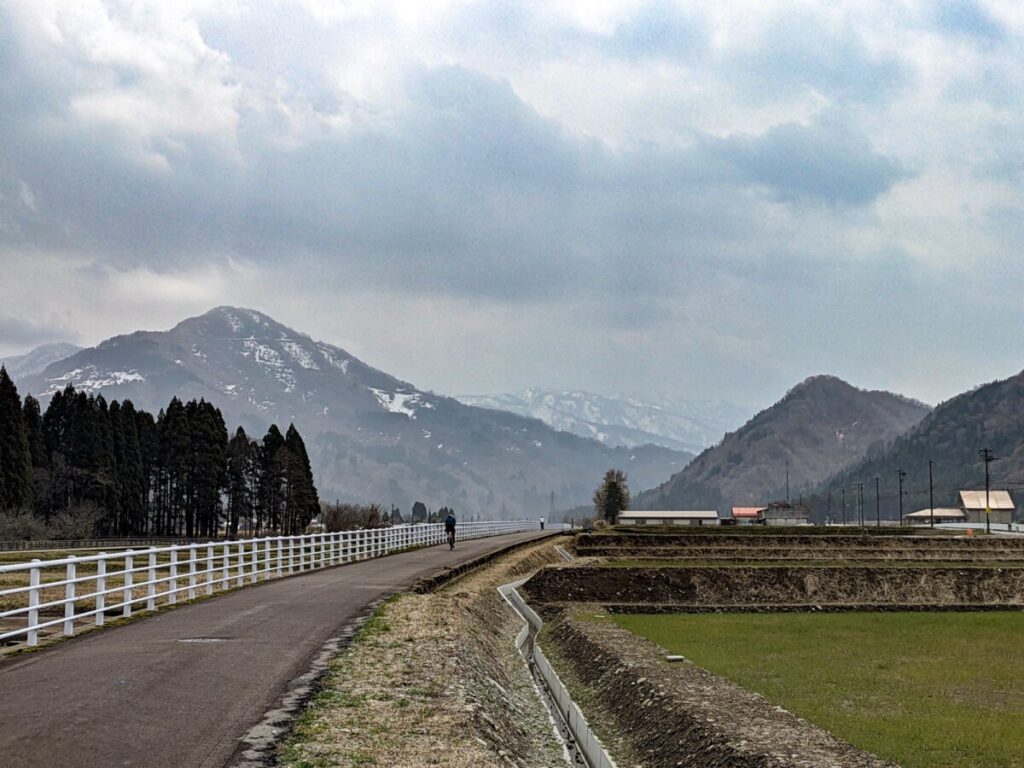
point(433, 680)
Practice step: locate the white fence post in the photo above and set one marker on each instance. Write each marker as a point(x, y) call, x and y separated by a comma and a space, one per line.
point(240, 578)
point(266, 571)
point(225, 566)
point(101, 588)
point(69, 599)
point(129, 566)
point(209, 569)
point(33, 604)
point(193, 553)
point(151, 585)
point(255, 561)
point(172, 584)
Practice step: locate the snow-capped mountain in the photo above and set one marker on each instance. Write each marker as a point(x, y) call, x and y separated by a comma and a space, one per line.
point(371, 437)
point(621, 419)
point(38, 359)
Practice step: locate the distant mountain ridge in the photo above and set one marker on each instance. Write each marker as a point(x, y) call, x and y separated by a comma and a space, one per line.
point(38, 359)
point(988, 416)
point(819, 427)
point(622, 419)
point(371, 436)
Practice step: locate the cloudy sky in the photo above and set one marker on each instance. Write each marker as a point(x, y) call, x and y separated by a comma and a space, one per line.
point(707, 199)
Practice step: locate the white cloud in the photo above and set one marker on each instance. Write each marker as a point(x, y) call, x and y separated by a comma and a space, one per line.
point(687, 183)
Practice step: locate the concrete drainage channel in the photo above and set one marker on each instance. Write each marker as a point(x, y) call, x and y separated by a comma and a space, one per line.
point(582, 745)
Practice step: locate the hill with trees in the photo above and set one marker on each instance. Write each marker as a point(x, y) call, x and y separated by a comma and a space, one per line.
point(819, 427)
point(371, 437)
point(990, 416)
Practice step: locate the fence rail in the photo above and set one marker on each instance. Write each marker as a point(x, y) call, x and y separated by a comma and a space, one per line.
point(59, 593)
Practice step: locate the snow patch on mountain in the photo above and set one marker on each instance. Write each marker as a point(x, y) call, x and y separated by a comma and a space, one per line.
point(401, 402)
point(300, 355)
point(89, 379)
point(332, 359)
point(271, 361)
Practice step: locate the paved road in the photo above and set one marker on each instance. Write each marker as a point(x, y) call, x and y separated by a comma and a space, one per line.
point(138, 695)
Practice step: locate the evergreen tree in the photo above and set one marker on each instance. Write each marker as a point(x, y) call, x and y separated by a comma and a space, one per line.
point(15, 455)
point(175, 460)
point(131, 481)
point(303, 504)
point(271, 492)
point(237, 485)
point(33, 419)
point(612, 497)
point(208, 467)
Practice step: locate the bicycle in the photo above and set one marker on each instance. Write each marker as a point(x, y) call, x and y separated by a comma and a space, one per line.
point(451, 540)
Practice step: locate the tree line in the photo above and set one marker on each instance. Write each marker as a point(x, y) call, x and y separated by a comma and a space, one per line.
point(132, 474)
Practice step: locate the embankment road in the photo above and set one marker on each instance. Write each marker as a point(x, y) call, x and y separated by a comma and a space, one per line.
point(183, 688)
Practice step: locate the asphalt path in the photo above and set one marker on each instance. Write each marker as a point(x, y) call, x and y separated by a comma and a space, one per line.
point(182, 688)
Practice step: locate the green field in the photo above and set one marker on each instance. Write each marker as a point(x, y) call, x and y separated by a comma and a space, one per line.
point(920, 689)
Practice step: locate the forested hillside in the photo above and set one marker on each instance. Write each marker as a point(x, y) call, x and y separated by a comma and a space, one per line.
point(819, 427)
point(122, 471)
point(371, 437)
point(991, 416)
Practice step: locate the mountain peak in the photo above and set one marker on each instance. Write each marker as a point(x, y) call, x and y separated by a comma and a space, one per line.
point(235, 322)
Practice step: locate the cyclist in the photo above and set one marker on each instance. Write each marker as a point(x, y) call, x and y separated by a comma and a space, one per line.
point(449, 530)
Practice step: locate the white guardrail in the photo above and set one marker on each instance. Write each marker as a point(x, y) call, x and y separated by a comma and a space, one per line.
point(158, 575)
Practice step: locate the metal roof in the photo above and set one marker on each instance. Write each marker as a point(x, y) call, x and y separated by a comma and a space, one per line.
point(976, 500)
point(747, 511)
point(671, 515)
point(944, 512)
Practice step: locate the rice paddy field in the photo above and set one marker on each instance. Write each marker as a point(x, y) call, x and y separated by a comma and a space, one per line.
point(924, 690)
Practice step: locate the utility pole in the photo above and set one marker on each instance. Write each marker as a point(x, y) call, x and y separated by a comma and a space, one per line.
point(828, 512)
point(860, 503)
point(787, 481)
point(988, 457)
point(931, 494)
point(844, 507)
point(878, 505)
point(901, 474)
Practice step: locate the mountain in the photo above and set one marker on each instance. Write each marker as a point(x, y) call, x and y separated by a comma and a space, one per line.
point(819, 427)
point(371, 437)
point(621, 419)
point(38, 359)
point(989, 416)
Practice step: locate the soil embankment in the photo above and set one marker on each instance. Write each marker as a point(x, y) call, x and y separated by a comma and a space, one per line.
point(764, 587)
point(837, 548)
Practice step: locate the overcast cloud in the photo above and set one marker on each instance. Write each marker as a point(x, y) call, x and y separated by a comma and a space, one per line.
point(704, 199)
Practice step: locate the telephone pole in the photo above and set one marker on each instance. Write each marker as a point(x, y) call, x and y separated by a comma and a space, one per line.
point(931, 494)
point(844, 507)
point(860, 503)
point(878, 505)
point(988, 457)
point(901, 474)
point(787, 481)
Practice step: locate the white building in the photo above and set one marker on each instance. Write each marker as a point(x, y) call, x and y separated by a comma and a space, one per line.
point(642, 517)
point(973, 504)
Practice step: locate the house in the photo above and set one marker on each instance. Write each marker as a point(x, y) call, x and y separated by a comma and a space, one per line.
point(786, 513)
point(943, 515)
point(973, 505)
point(641, 517)
point(748, 515)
